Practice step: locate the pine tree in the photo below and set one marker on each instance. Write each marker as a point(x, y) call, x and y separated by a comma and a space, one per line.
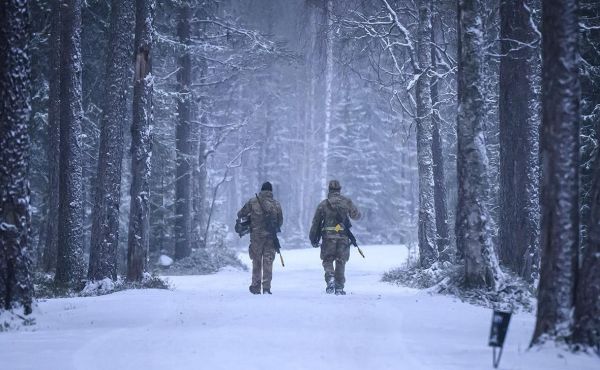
point(51, 240)
point(587, 305)
point(16, 287)
point(560, 180)
point(183, 141)
point(518, 226)
point(141, 142)
point(105, 217)
point(440, 194)
point(70, 267)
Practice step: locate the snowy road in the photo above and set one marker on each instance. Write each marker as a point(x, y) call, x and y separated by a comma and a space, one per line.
point(213, 322)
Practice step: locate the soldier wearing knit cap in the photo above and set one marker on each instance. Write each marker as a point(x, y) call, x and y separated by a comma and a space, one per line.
point(262, 250)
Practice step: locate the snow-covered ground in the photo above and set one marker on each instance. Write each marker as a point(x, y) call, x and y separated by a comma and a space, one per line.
point(213, 322)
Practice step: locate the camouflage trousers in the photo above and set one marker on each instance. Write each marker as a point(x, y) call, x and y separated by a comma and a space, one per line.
point(335, 250)
point(262, 254)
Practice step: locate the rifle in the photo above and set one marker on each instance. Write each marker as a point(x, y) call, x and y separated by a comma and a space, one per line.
point(272, 228)
point(347, 225)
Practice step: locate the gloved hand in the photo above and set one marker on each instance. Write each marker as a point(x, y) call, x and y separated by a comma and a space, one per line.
point(315, 245)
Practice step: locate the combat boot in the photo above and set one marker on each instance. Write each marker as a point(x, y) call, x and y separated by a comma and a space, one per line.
point(267, 291)
point(254, 290)
point(339, 291)
point(330, 286)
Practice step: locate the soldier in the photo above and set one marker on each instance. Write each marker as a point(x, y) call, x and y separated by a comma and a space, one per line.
point(328, 223)
point(262, 249)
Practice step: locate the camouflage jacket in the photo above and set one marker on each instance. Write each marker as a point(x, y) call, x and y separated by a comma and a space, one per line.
point(252, 208)
point(325, 220)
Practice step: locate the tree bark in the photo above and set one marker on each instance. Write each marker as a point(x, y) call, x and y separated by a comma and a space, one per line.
point(16, 287)
point(472, 217)
point(428, 253)
point(70, 264)
point(518, 228)
point(439, 178)
point(200, 177)
point(587, 305)
point(183, 141)
point(589, 49)
point(560, 175)
point(141, 142)
point(105, 214)
point(328, 96)
point(51, 237)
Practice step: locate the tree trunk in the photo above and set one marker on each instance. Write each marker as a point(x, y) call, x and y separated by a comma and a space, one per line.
point(587, 304)
point(70, 264)
point(518, 232)
point(589, 49)
point(184, 148)
point(560, 175)
point(16, 286)
point(472, 217)
point(141, 142)
point(51, 240)
point(200, 171)
point(200, 178)
point(439, 179)
point(428, 253)
point(105, 216)
point(328, 96)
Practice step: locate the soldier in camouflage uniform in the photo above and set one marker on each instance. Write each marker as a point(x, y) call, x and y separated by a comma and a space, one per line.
point(328, 224)
point(262, 250)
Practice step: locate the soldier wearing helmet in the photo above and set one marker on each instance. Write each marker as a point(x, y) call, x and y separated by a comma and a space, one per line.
point(328, 224)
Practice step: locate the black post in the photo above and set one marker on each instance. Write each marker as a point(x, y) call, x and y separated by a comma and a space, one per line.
point(500, 321)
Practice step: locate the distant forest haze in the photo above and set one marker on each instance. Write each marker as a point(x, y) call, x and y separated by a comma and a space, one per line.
point(132, 132)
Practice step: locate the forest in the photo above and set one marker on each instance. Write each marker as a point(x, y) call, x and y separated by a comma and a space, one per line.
point(467, 133)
